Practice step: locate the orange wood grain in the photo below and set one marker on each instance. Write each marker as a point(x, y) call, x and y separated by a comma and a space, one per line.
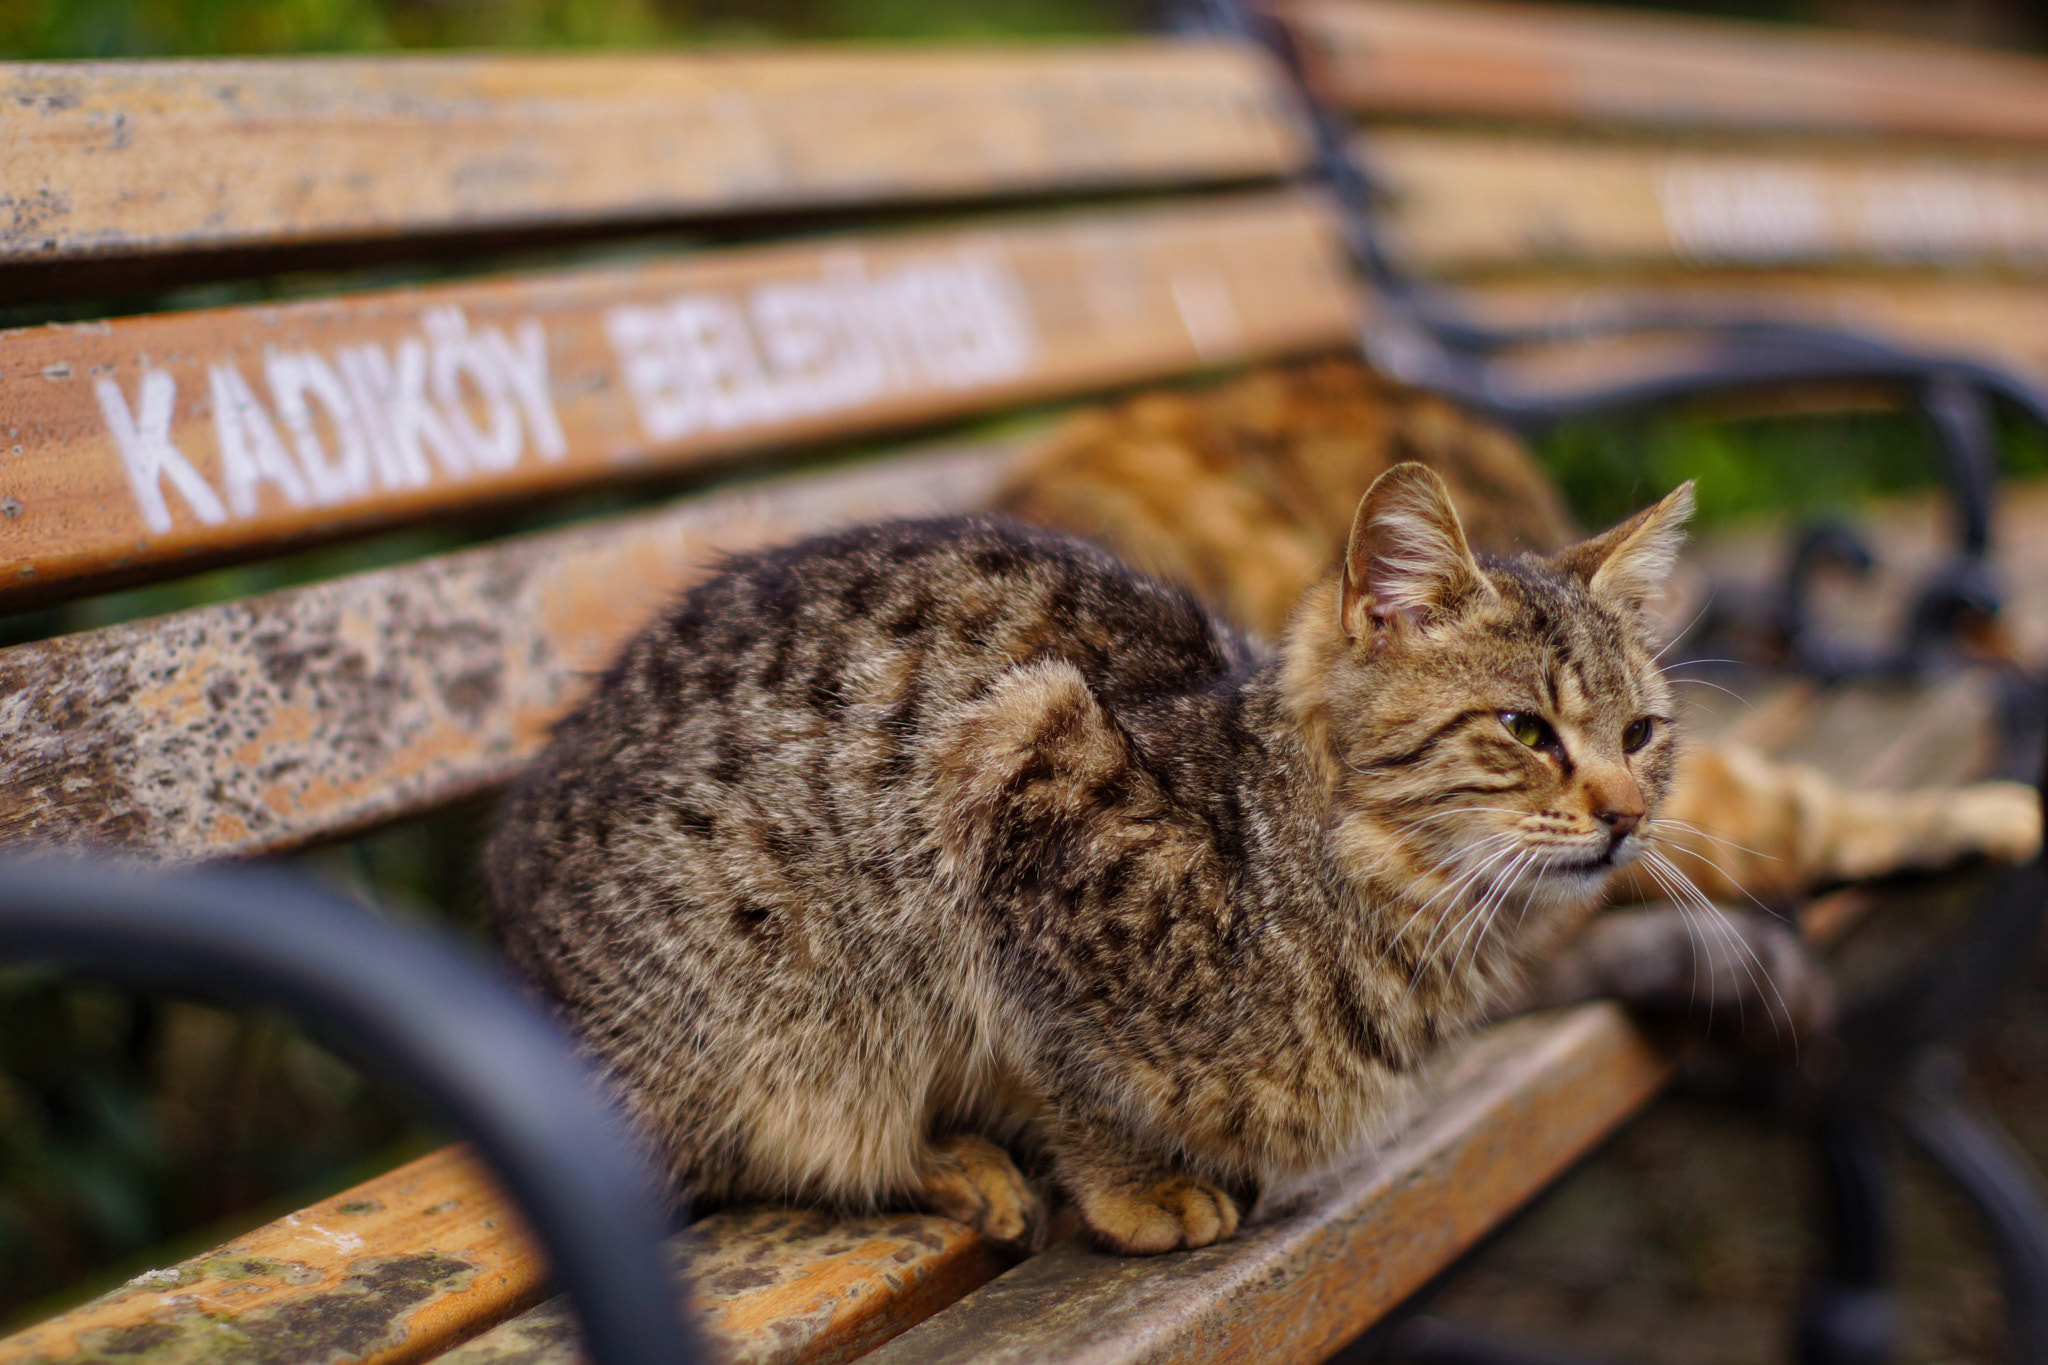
point(264, 724)
point(115, 158)
point(1992, 319)
point(1501, 1119)
point(404, 1267)
point(784, 1287)
point(392, 1271)
point(1467, 202)
point(153, 442)
point(1469, 58)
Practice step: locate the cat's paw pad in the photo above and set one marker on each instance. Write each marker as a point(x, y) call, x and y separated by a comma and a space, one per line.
point(971, 1180)
point(1179, 1211)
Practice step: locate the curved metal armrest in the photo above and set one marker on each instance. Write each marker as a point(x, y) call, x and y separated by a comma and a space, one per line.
point(1421, 336)
point(417, 1011)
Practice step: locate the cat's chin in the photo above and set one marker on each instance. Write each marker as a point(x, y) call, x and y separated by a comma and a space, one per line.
point(1569, 883)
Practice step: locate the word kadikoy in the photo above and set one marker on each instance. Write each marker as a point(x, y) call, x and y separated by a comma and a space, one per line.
point(451, 404)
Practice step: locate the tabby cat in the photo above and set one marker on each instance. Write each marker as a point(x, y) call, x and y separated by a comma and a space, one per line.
point(887, 857)
point(1241, 492)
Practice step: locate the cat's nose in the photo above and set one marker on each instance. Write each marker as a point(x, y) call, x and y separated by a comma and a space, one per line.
point(1620, 823)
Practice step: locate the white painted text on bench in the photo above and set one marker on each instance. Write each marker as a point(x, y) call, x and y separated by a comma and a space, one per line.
point(454, 403)
point(798, 348)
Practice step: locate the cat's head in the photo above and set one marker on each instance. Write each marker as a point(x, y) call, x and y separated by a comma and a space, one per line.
point(1491, 727)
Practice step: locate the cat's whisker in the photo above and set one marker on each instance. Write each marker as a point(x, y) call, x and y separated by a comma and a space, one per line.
point(1696, 854)
point(1474, 917)
point(1715, 838)
point(1482, 912)
point(1696, 939)
point(1665, 671)
point(1411, 825)
point(1505, 839)
point(1705, 607)
point(1444, 927)
point(1746, 955)
point(1464, 879)
point(1536, 863)
point(1702, 682)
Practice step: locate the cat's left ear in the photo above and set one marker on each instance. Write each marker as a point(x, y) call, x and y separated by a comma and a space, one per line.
point(1406, 562)
point(1630, 562)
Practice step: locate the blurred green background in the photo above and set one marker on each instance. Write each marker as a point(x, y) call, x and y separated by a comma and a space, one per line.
point(135, 1131)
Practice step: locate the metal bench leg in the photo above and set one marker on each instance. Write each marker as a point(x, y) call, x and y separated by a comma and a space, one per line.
point(1849, 1319)
point(1969, 1146)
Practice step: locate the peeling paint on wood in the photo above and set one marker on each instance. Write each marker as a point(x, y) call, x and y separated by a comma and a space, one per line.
point(264, 724)
point(1502, 1120)
point(385, 1274)
point(228, 433)
point(120, 157)
point(784, 1287)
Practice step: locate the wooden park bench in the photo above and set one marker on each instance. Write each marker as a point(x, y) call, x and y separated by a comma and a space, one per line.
point(751, 263)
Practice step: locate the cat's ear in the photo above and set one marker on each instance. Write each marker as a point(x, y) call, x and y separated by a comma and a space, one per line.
point(1407, 560)
point(1630, 562)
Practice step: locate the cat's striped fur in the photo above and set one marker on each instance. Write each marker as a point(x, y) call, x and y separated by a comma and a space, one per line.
point(1243, 491)
point(887, 855)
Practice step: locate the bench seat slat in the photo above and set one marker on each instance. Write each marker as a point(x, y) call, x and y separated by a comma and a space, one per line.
point(390, 1272)
point(1504, 1119)
point(167, 440)
point(1468, 202)
point(777, 1286)
point(1558, 63)
point(263, 724)
point(118, 158)
point(400, 1268)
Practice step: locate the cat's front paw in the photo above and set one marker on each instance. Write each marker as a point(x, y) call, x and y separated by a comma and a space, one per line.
point(1179, 1211)
point(971, 1180)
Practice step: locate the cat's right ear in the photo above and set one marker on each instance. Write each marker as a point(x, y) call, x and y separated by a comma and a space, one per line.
point(1407, 560)
point(1631, 561)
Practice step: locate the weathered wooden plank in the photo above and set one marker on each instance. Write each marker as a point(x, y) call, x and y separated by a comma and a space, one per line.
point(1555, 62)
point(1465, 201)
point(107, 158)
point(392, 1271)
point(264, 724)
point(1502, 1119)
point(785, 1287)
point(402, 1267)
point(1992, 319)
point(175, 438)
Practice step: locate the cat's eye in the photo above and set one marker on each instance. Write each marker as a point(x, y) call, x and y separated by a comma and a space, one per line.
point(1637, 734)
point(1533, 731)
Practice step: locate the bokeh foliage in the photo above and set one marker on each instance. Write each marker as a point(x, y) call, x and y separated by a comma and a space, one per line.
point(137, 28)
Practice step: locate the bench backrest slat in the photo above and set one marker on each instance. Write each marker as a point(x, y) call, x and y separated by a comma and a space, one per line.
point(1465, 201)
point(117, 158)
point(1556, 63)
point(169, 439)
point(1995, 319)
point(266, 723)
